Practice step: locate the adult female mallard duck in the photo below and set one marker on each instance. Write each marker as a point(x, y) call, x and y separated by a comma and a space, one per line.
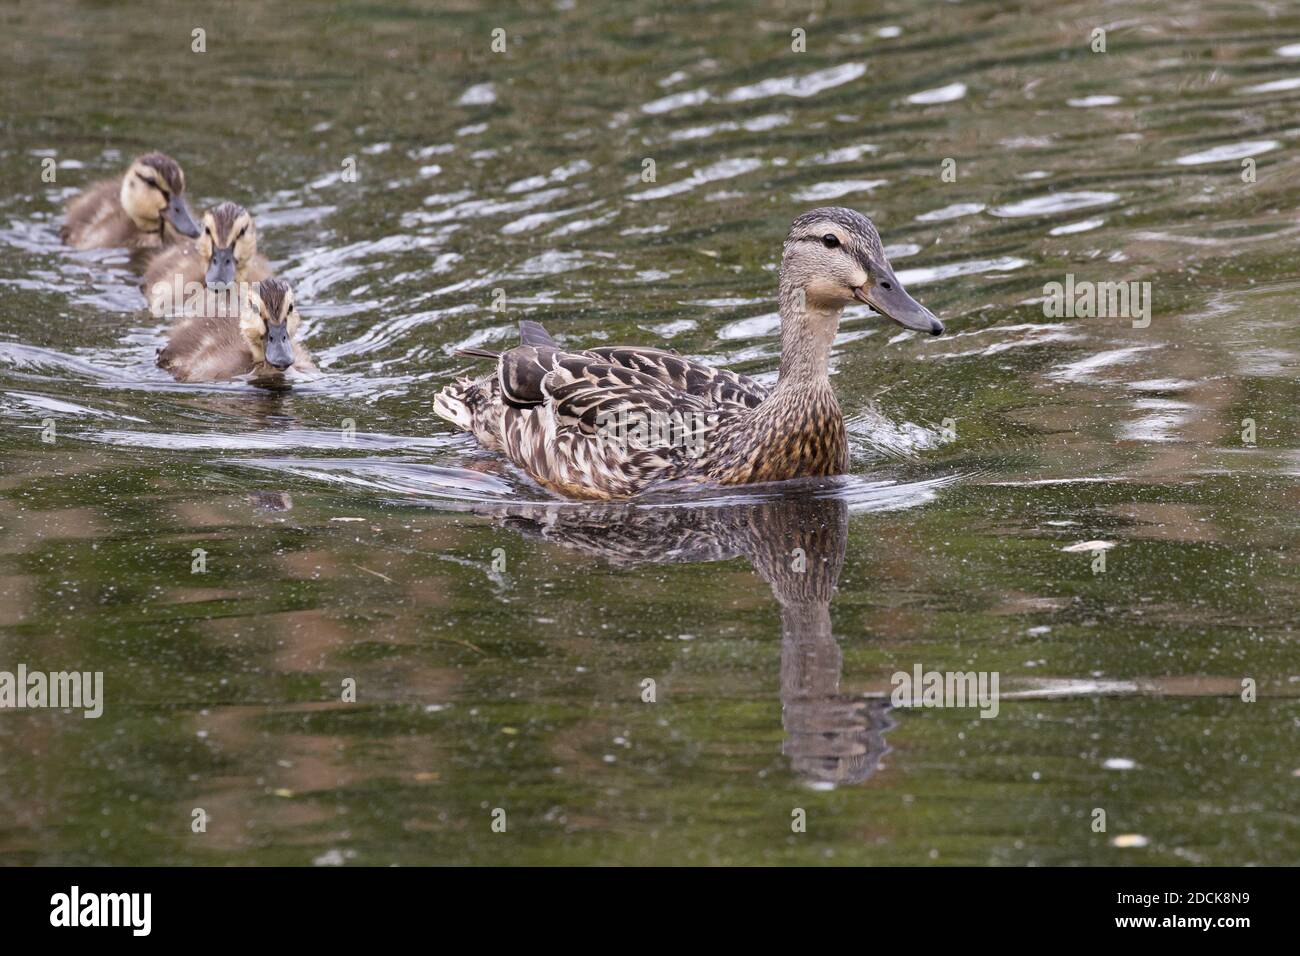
point(258, 342)
point(142, 209)
point(224, 254)
point(607, 422)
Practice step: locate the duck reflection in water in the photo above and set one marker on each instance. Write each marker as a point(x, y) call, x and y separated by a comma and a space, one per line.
point(796, 542)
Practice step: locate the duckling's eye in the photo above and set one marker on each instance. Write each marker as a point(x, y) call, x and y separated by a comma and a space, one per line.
point(830, 241)
point(241, 234)
point(153, 183)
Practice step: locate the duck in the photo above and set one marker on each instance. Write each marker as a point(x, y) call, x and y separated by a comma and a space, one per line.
point(224, 254)
point(609, 422)
point(259, 341)
point(144, 208)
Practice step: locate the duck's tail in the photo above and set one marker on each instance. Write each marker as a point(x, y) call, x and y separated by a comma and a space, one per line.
point(456, 403)
point(476, 405)
point(530, 333)
point(478, 353)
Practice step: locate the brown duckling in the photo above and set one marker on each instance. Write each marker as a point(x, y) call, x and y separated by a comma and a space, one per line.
point(607, 422)
point(143, 209)
point(225, 253)
point(259, 341)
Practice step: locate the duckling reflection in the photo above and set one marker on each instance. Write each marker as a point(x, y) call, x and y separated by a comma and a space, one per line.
point(797, 545)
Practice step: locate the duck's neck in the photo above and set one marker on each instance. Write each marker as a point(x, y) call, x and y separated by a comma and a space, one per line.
point(807, 332)
point(798, 431)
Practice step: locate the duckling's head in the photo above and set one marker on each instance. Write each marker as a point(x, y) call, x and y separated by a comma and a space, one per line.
point(834, 256)
point(153, 195)
point(228, 243)
point(269, 324)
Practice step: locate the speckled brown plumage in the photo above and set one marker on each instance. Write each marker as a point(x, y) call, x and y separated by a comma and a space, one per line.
point(544, 408)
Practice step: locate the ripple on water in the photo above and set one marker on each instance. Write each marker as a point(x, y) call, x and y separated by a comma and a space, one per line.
point(808, 84)
point(1230, 151)
point(723, 169)
point(457, 488)
point(755, 327)
point(940, 94)
point(676, 101)
point(480, 94)
point(1084, 225)
point(955, 211)
point(923, 275)
point(845, 154)
point(822, 192)
point(1053, 204)
point(1087, 102)
point(756, 125)
point(271, 439)
point(1273, 86)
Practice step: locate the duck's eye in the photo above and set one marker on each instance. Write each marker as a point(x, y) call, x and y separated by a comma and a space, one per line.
point(830, 241)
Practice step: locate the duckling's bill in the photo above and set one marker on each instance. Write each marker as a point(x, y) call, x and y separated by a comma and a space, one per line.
point(221, 270)
point(279, 353)
point(177, 213)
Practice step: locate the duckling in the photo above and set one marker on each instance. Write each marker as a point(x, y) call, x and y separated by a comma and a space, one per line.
point(259, 341)
point(225, 253)
point(607, 422)
point(143, 209)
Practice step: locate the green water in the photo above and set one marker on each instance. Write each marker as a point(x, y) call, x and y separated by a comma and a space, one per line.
point(498, 639)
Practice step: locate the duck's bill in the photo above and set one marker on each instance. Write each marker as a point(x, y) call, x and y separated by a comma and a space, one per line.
point(894, 303)
point(221, 270)
point(178, 214)
point(279, 354)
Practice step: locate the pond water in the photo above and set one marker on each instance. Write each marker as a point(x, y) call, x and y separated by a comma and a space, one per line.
point(1100, 510)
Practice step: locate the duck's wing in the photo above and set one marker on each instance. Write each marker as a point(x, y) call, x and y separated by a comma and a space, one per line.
point(719, 387)
point(593, 429)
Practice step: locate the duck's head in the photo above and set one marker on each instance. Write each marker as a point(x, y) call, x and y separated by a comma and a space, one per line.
point(153, 195)
point(228, 243)
point(268, 323)
point(833, 256)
